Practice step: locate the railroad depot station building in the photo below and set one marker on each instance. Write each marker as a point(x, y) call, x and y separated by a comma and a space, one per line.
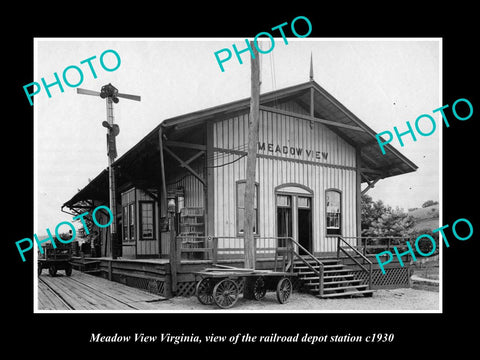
point(313, 158)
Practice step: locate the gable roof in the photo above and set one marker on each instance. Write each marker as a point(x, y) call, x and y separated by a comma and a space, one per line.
point(334, 115)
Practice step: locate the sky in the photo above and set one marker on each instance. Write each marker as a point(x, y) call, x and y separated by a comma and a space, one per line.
point(384, 82)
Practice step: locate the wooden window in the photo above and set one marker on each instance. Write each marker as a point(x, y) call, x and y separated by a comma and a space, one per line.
point(128, 216)
point(283, 200)
point(131, 223)
point(333, 203)
point(128, 222)
point(125, 223)
point(303, 202)
point(241, 207)
point(147, 222)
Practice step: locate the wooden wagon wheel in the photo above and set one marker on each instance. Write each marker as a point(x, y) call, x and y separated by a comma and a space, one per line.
point(284, 289)
point(52, 270)
point(204, 291)
point(259, 288)
point(225, 293)
point(68, 269)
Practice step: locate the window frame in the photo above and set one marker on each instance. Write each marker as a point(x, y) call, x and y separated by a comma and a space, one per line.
point(256, 232)
point(125, 224)
point(129, 220)
point(132, 221)
point(328, 230)
point(140, 220)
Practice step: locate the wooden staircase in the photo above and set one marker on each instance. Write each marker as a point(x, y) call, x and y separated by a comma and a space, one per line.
point(338, 279)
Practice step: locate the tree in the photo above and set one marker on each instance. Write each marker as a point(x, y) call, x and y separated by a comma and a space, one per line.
point(425, 244)
point(380, 220)
point(371, 211)
point(429, 203)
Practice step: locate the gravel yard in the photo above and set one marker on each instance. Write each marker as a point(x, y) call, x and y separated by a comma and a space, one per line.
point(382, 300)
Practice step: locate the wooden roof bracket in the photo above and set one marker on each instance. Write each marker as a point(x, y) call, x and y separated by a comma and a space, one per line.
point(185, 165)
point(162, 167)
point(371, 185)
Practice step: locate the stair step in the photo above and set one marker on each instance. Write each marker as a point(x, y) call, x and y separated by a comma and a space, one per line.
point(326, 278)
point(338, 290)
point(337, 271)
point(348, 293)
point(325, 284)
point(337, 282)
point(308, 278)
point(333, 266)
point(329, 276)
point(305, 273)
point(316, 267)
point(357, 287)
point(311, 261)
point(345, 284)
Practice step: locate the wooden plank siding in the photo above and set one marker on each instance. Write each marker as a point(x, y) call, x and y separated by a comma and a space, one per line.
point(194, 195)
point(310, 155)
point(147, 247)
point(140, 247)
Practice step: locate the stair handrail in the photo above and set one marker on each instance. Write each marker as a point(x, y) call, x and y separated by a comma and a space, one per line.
point(320, 264)
point(368, 271)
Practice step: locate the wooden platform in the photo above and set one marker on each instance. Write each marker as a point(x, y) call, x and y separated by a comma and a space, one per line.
point(87, 292)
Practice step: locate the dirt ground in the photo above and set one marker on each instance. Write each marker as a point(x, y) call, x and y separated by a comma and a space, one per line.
point(383, 300)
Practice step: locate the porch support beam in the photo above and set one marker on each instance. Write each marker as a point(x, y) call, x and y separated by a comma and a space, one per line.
point(197, 155)
point(149, 193)
point(371, 185)
point(186, 145)
point(358, 163)
point(210, 188)
point(162, 169)
point(185, 165)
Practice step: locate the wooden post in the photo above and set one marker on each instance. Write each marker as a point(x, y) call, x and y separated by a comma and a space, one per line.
point(173, 253)
point(162, 170)
point(249, 245)
point(210, 188)
point(215, 250)
point(370, 277)
point(163, 184)
point(110, 270)
point(251, 161)
point(358, 152)
point(338, 247)
point(320, 280)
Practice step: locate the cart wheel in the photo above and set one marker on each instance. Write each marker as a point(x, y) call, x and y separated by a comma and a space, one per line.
point(259, 288)
point(68, 270)
point(284, 289)
point(225, 293)
point(204, 291)
point(52, 270)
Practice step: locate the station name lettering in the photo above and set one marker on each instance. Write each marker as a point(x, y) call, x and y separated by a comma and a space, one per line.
point(292, 150)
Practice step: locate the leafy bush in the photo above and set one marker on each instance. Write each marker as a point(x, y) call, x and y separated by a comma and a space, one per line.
point(380, 220)
point(425, 244)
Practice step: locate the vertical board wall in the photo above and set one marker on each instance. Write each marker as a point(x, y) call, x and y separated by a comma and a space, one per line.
point(283, 158)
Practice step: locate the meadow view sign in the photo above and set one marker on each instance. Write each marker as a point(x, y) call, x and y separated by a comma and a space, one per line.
point(292, 150)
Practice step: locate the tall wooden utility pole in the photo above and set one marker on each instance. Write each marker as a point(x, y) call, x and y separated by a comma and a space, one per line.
point(249, 242)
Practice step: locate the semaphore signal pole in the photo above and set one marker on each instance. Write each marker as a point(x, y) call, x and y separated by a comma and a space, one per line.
point(111, 95)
